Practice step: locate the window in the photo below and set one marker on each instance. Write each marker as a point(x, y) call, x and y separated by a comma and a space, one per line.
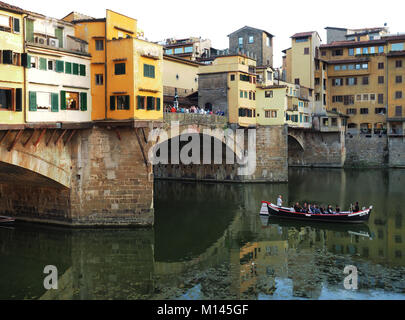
point(337, 82)
point(75, 68)
point(351, 52)
point(178, 50)
point(33, 62)
point(244, 77)
point(51, 65)
point(337, 68)
point(318, 81)
point(397, 47)
point(251, 39)
point(380, 49)
point(365, 81)
point(337, 99)
point(364, 111)
point(398, 63)
point(351, 66)
point(140, 102)
point(188, 49)
point(358, 50)
point(348, 100)
point(380, 111)
point(148, 71)
point(380, 79)
point(372, 50)
point(119, 68)
point(270, 114)
point(240, 41)
point(241, 94)
point(297, 81)
point(232, 77)
point(6, 99)
point(72, 100)
point(323, 53)
point(351, 81)
point(99, 45)
point(365, 50)
point(398, 94)
point(364, 66)
point(99, 79)
point(5, 23)
point(358, 97)
point(169, 51)
point(268, 42)
point(351, 111)
point(82, 69)
point(381, 65)
point(306, 50)
point(268, 94)
point(123, 102)
point(380, 98)
point(398, 79)
point(302, 39)
point(372, 96)
point(398, 111)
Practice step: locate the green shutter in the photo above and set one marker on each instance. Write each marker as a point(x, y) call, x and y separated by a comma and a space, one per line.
point(112, 102)
point(68, 68)
point(59, 66)
point(127, 102)
point(63, 100)
point(75, 69)
point(158, 104)
point(18, 100)
point(32, 101)
point(59, 36)
point(16, 25)
point(54, 102)
point(141, 101)
point(29, 30)
point(26, 60)
point(42, 64)
point(83, 101)
point(82, 70)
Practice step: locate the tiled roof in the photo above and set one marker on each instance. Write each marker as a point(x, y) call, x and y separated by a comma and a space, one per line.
point(10, 7)
point(303, 34)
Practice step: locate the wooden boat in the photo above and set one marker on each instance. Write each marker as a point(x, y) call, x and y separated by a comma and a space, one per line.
point(288, 213)
point(6, 220)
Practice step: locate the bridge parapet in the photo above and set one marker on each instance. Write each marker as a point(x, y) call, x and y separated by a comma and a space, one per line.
point(186, 119)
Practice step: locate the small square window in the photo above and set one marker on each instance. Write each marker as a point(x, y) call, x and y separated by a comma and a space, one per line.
point(99, 45)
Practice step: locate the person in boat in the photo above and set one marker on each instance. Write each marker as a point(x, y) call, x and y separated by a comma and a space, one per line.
point(280, 201)
point(297, 207)
point(337, 209)
point(330, 210)
point(322, 210)
point(305, 208)
point(356, 207)
point(311, 208)
point(317, 210)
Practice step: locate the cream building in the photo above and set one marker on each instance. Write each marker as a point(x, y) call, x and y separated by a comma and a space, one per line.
point(58, 72)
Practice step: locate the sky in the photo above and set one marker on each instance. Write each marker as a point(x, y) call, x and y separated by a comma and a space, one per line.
point(215, 19)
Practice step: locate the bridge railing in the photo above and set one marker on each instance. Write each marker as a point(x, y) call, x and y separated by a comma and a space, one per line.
point(193, 118)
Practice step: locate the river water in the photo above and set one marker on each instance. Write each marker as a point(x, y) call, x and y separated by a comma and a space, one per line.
point(209, 242)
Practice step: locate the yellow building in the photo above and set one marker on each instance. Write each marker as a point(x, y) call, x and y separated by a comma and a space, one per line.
point(180, 78)
point(12, 59)
point(357, 83)
point(229, 85)
point(126, 71)
point(396, 80)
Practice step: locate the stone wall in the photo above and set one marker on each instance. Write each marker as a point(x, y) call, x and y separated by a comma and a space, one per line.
point(396, 156)
point(213, 89)
point(111, 184)
point(363, 151)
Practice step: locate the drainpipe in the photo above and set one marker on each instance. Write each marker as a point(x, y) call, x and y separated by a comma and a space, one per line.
point(25, 73)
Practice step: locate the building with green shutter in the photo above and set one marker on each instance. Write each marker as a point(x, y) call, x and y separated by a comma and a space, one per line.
point(58, 83)
point(11, 70)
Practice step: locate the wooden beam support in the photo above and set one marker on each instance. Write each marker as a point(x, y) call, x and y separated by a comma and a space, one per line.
point(144, 137)
point(51, 137)
point(142, 150)
point(16, 138)
point(36, 143)
point(61, 136)
point(30, 137)
point(5, 136)
point(70, 137)
point(118, 134)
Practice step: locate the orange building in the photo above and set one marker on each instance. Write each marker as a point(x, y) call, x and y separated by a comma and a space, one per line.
point(126, 71)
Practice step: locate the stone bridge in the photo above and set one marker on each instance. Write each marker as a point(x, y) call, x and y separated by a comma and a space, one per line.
point(103, 173)
point(77, 175)
point(310, 148)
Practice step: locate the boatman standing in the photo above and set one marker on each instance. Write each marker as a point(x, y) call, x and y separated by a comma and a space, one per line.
point(280, 201)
